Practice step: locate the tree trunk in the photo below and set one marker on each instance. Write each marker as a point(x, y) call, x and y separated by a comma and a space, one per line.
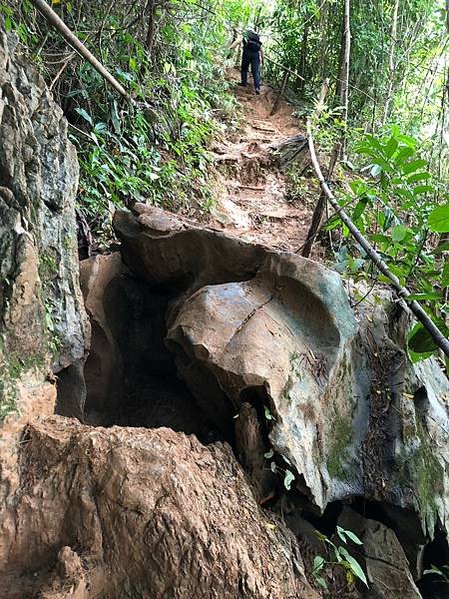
point(319, 208)
point(344, 70)
point(447, 15)
point(149, 38)
point(303, 57)
point(281, 94)
point(391, 63)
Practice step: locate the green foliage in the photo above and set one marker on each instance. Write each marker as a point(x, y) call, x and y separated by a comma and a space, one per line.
point(308, 38)
point(286, 473)
point(172, 62)
point(394, 206)
point(339, 557)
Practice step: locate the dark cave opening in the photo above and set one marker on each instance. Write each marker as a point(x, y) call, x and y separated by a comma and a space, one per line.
point(435, 555)
point(130, 376)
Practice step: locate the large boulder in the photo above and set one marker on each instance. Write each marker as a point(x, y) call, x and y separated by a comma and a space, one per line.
point(151, 514)
point(42, 319)
point(344, 409)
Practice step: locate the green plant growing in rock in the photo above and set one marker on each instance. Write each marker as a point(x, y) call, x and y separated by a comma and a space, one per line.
point(286, 474)
point(338, 557)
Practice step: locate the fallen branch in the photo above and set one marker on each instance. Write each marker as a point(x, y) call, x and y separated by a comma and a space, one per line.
point(401, 291)
point(79, 47)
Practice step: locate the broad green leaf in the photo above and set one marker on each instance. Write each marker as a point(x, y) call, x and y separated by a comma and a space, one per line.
point(360, 207)
point(288, 479)
point(354, 538)
point(420, 189)
point(385, 166)
point(403, 155)
point(438, 220)
point(341, 534)
point(407, 140)
point(359, 187)
point(391, 147)
point(378, 238)
point(318, 563)
point(388, 215)
point(419, 177)
point(354, 565)
point(86, 116)
point(404, 193)
point(115, 117)
point(414, 357)
point(321, 582)
point(372, 142)
point(420, 341)
point(332, 223)
point(412, 167)
point(434, 570)
point(399, 233)
point(268, 414)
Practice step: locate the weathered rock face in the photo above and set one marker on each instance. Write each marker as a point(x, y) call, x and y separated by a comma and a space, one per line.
point(42, 314)
point(151, 513)
point(349, 412)
point(104, 370)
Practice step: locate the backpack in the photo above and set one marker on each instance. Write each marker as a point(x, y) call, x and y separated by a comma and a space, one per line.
point(253, 43)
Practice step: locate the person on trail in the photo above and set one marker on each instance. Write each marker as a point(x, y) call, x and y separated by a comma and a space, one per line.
point(252, 56)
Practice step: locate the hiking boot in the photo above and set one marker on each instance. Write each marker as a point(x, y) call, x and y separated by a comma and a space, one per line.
point(258, 92)
point(243, 84)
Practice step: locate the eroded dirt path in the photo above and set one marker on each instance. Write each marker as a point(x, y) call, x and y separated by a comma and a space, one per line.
point(253, 201)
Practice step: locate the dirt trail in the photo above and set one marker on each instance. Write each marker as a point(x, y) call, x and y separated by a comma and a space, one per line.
point(252, 197)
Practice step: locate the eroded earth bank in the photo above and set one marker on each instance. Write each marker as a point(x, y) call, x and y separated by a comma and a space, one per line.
point(184, 430)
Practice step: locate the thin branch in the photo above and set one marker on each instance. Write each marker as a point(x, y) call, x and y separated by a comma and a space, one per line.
point(78, 46)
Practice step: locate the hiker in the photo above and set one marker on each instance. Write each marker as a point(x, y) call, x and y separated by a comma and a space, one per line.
point(252, 55)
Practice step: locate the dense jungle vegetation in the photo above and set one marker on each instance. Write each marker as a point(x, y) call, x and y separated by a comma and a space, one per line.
point(373, 77)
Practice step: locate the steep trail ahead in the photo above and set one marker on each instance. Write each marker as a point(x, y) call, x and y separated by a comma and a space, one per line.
point(252, 193)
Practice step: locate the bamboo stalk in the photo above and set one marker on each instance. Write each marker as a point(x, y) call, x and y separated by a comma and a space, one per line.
point(401, 291)
point(77, 45)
